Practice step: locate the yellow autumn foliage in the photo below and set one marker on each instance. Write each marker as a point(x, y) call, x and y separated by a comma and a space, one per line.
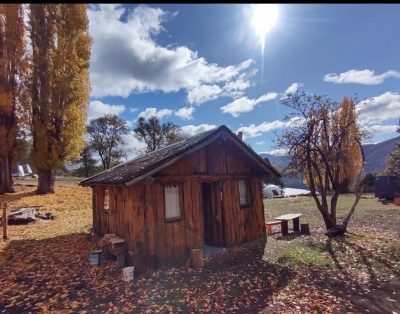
point(60, 82)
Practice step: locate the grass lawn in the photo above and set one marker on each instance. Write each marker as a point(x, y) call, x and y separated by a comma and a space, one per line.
point(44, 266)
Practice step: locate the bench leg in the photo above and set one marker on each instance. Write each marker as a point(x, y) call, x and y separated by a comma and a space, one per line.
point(296, 224)
point(285, 227)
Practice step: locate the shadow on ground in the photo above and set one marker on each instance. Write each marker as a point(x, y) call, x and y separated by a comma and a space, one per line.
point(55, 275)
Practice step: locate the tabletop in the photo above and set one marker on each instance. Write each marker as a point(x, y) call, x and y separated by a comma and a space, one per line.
point(288, 217)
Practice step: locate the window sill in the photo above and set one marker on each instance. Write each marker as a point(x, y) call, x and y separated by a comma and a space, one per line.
point(173, 219)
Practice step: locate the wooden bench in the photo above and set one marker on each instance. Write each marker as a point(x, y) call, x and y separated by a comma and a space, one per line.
point(269, 225)
point(112, 244)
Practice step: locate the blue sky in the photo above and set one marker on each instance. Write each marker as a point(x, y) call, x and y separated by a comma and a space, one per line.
point(201, 65)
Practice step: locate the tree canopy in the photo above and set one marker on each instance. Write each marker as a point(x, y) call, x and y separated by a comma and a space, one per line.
point(13, 69)
point(155, 134)
point(324, 143)
point(393, 161)
point(59, 86)
point(106, 137)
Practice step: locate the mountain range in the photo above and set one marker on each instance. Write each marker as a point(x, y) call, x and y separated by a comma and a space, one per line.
point(375, 160)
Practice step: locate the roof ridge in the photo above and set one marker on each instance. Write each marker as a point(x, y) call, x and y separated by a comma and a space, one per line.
point(155, 151)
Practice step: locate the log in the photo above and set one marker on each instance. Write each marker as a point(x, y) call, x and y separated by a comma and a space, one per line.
point(197, 258)
point(5, 220)
point(305, 229)
point(336, 231)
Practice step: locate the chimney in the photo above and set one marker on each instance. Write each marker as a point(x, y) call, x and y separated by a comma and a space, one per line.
point(240, 135)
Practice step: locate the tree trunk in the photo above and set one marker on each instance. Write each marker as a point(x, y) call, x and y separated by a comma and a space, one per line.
point(45, 182)
point(6, 182)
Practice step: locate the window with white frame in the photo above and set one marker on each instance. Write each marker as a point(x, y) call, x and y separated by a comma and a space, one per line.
point(244, 193)
point(172, 202)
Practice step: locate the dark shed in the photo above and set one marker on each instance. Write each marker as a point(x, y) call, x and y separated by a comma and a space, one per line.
point(203, 190)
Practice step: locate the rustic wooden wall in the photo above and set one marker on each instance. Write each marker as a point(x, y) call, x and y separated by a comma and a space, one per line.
point(137, 213)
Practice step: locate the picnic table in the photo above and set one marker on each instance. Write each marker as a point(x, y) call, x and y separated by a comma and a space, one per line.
point(285, 222)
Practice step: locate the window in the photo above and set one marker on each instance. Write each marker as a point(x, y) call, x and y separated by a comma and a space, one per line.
point(172, 202)
point(244, 193)
point(106, 199)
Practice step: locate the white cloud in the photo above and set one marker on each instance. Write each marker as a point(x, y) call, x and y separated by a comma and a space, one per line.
point(191, 130)
point(133, 146)
point(149, 112)
point(245, 104)
point(260, 143)
point(133, 109)
point(383, 129)
point(185, 113)
point(203, 93)
point(379, 108)
point(277, 152)
point(366, 77)
point(126, 58)
point(293, 88)
point(97, 109)
point(256, 130)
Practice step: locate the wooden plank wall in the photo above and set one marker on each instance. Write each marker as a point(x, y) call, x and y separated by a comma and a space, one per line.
point(137, 213)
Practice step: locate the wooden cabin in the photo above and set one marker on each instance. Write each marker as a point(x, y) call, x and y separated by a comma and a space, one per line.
point(204, 190)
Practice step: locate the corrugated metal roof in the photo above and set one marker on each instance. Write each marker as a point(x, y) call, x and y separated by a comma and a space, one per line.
point(126, 173)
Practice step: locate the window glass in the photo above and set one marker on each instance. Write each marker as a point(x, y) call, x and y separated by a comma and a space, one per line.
point(172, 202)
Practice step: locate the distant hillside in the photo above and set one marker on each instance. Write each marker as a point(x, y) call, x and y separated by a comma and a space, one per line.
point(375, 160)
point(277, 161)
point(376, 155)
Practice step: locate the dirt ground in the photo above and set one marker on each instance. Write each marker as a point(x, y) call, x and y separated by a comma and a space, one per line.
point(44, 265)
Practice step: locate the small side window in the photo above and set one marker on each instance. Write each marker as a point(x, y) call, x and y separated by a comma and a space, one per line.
point(173, 208)
point(244, 193)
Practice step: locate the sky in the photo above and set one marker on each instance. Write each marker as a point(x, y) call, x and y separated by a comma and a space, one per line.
point(202, 65)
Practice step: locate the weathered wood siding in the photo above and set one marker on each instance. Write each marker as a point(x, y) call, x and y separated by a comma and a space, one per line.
point(137, 213)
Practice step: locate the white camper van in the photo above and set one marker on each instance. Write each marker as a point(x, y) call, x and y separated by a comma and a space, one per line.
point(272, 191)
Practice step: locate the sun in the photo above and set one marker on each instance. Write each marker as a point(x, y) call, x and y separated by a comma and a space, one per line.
point(264, 18)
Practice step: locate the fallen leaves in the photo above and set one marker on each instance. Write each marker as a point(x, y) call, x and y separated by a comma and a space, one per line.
point(44, 267)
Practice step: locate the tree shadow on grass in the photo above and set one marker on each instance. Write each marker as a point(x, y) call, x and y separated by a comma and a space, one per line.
point(54, 274)
point(374, 296)
point(12, 197)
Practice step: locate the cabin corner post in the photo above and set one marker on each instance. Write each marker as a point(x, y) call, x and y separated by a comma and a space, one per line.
point(262, 209)
point(94, 211)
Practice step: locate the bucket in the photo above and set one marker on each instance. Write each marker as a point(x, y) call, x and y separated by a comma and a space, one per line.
point(127, 273)
point(94, 258)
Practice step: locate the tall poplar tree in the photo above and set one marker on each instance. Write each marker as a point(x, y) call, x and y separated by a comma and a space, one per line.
point(59, 86)
point(12, 69)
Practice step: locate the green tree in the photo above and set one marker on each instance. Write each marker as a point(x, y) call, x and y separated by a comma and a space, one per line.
point(393, 162)
point(59, 86)
point(87, 163)
point(12, 75)
point(317, 143)
point(155, 134)
point(368, 182)
point(106, 137)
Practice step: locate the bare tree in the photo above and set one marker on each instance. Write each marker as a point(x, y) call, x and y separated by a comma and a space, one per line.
point(156, 135)
point(105, 135)
point(317, 145)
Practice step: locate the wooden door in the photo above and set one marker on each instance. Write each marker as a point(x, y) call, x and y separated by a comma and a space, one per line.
point(213, 214)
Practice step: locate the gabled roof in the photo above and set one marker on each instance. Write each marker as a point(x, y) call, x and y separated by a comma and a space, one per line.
point(139, 168)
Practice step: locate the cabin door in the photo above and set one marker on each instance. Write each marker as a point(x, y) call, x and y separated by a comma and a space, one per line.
point(213, 214)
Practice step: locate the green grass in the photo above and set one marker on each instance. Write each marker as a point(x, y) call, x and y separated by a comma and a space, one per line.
point(367, 206)
point(309, 255)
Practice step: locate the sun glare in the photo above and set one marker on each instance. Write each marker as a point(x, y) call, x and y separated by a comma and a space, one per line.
point(264, 18)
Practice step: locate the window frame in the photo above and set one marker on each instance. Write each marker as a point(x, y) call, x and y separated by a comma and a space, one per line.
point(180, 192)
point(249, 195)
